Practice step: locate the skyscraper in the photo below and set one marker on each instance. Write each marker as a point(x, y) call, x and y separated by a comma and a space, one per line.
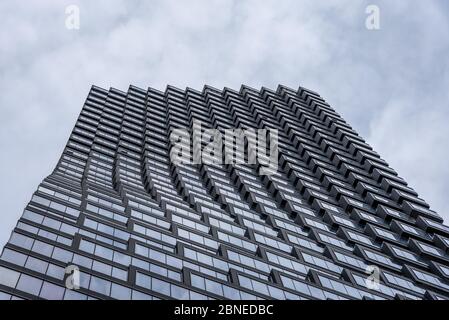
point(118, 218)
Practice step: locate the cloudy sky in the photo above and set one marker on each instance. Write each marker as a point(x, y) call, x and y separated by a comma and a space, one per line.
point(390, 84)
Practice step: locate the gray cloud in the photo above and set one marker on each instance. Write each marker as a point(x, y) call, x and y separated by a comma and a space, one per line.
point(390, 84)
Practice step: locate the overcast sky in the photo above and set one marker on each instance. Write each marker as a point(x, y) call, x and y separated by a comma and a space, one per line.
point(391, 85)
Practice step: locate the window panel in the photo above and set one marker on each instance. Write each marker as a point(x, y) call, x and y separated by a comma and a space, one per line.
point(51, 291)
point(8, 277)
point(120, 292)
point(29, 284)
point(14, 257)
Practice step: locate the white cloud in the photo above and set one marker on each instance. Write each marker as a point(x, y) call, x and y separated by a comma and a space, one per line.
point(414, 142)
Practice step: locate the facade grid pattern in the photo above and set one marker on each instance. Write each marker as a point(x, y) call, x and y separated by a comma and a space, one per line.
point(140, 227)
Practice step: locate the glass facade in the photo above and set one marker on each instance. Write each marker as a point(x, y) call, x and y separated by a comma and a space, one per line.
point(137, 226)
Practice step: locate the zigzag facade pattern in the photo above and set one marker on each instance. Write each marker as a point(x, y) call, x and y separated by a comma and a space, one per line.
point(139, 227)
